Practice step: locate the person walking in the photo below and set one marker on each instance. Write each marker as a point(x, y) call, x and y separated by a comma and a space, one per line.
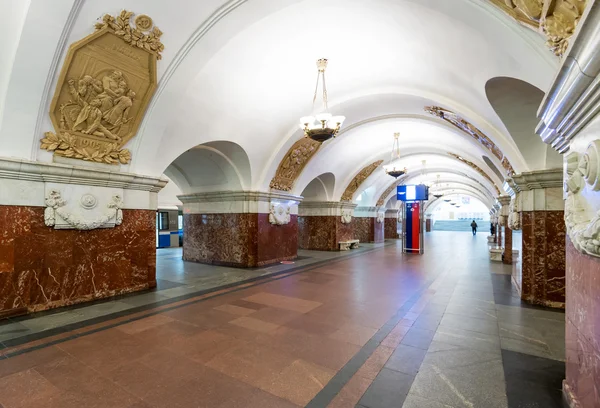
point(474, 227)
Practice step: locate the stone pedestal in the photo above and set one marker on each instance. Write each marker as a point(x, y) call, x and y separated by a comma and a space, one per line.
point(323, 224)
point(391, 224)
point(240, 229)
point(368, 224)
point(66, 243)
point(541, 211)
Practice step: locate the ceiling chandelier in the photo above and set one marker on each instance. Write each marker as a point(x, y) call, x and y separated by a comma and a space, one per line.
point(323, 126)
point(392, 169)
point(437, 194)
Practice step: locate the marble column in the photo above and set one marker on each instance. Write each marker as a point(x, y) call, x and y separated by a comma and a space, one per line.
point(64, 241)
point(368, 224)
point(539, 212)
point(323, 224)
point(504, 201)
point(240, 228)
point(391, 224)
point(427, 222)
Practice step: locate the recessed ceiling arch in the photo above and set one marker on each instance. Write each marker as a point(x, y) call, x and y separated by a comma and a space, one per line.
point(433, 204)
point(320, 188)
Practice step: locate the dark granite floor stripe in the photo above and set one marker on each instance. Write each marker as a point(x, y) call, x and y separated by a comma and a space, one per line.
point(259, 280)
point(335, 385)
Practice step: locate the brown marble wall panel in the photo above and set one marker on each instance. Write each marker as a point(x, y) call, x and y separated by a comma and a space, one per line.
point(276, 243)
point(344, 232)
point(364, 229)
point(582, 328)
point(507, 256)
point(323, 233)
point(543, 258)
point(220, 239)
point(390, 228)
point(42, 268)
point(428, 225)
point(240, 240)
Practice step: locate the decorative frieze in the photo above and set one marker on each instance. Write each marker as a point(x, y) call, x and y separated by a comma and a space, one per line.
point(240, 202)
point(468, 128)
point(293, 163)
point(327, 209)
point(359, 179)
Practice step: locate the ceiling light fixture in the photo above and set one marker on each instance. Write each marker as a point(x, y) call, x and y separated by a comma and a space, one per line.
point(323, 126)
point(437, 186)
point(392, 169)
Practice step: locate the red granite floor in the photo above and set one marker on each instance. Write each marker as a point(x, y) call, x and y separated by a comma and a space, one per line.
point(274, 343)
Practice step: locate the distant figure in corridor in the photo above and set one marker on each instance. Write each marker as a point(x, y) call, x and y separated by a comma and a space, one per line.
point(474, 227)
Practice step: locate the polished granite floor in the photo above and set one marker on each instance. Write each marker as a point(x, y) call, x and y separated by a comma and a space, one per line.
point(370, 329)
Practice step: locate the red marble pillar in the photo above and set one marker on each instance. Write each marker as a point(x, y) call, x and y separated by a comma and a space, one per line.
point(322, 227)
point(368, 224)
point(323, 233)
point(43, 268)
point(582, 384)
point(428, 225)
point(499, 234)
point(390, 226)
point(507, 256)
point(241, 229)
point(543, 260)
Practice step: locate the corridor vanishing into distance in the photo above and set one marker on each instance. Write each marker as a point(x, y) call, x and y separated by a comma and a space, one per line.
point(370, 328)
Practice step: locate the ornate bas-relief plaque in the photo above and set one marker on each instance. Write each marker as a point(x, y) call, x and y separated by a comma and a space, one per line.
point(556, 19)
point(358, 180)
point(279, 214)
point(103, 90)
point(380, 217)
point(472, 131)
point(346, 216)
point(476, 168)
point(583, 222)
point(86, 213)
point(293, 163)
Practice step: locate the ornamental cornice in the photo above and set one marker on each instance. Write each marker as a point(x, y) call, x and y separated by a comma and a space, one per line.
point(328, 204)
point(18, 169)
point(533, 180)
point(225, 196)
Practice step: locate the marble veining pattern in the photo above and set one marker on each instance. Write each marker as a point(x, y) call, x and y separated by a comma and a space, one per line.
point(543, 258)
point(323, 233)
point(390, 228)
point(42, 268)
point(583, 327)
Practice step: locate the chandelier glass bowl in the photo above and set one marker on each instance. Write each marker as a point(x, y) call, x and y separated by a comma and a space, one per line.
point(391, 168)
point(322, 126)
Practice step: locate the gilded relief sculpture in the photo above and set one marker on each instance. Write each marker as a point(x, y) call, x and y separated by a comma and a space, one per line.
point(556, 19)
point(358, 180)
point(474, 132)
point(292, 164)
point(104, 88)
point(386, 193)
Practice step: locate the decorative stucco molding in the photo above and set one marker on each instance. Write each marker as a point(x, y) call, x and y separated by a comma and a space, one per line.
point(583, 222)
point(280, 214)
point(293, 163)
point(514, 218)
point(84, 218)
point(17, 169)
point(325, 208)
point(504, 201)
point(460, 123)
point(380, 217)
point(242, 202)
point(346, 216)
point(532, 180)
point(386, 193)
point(359, 179)
point(555, 19)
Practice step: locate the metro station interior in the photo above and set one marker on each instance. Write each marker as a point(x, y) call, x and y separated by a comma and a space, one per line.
point(300, 203)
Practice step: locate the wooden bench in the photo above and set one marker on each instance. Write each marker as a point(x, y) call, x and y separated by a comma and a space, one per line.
point(350, 244)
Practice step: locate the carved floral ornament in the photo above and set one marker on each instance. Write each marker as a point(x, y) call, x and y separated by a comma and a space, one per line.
point(346, 216)
point(293, 163)
point(359, 179)
point(556, 19)
point(105, 85)
point(583, 222)
point(514, 218)
point(380, 217)
point(55, 208)
point(279, 214)
point(460, 123)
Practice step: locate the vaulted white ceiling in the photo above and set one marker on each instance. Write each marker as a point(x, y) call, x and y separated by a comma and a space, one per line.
point(243, 72)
